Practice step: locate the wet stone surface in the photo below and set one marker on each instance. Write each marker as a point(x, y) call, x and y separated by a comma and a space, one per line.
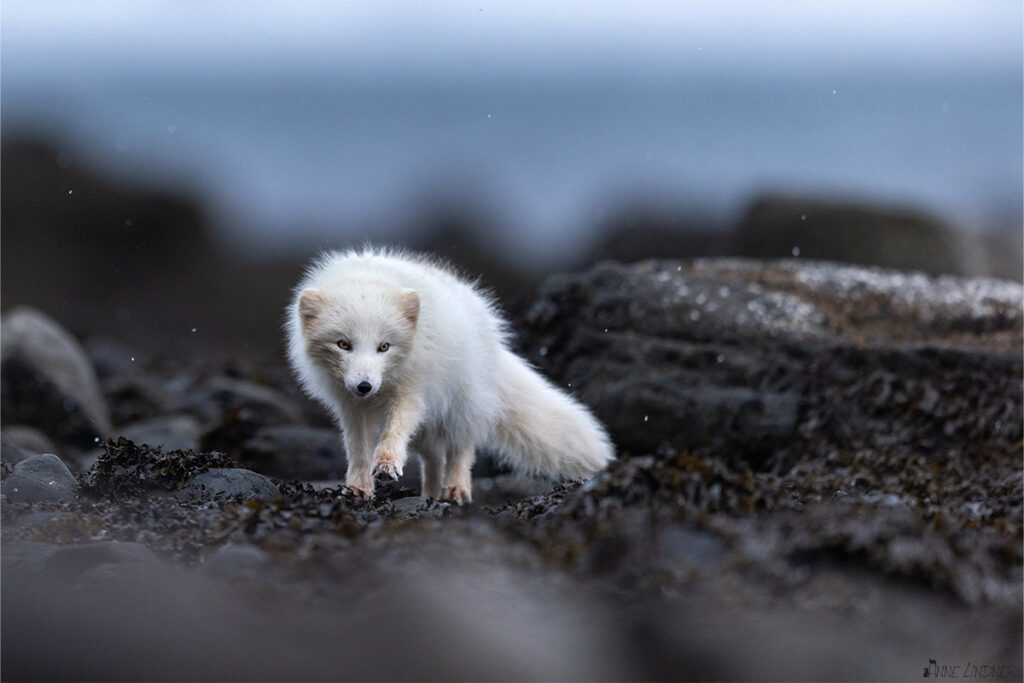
point(820, 477)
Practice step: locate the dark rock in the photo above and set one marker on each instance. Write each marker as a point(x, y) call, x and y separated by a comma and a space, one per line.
point(853, 233)
point(653, 414)
point(740, 354)
point(231, 483)
point(410, 504)
point(169, 432)
point(38, 479)
point(227, 394)
point(295, 452)
point(48, 381)
point(135, 398)
point(233, 410)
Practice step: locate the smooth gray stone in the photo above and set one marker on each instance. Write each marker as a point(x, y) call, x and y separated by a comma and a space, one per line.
point(40, 478)
point(231, 482)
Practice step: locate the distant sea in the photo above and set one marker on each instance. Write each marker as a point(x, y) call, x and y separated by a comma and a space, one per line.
point(283, 164)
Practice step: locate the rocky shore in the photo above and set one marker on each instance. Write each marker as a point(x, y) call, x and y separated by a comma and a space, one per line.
point(820, 477)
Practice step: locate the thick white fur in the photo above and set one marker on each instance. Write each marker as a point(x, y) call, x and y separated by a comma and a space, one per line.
point(445, 384)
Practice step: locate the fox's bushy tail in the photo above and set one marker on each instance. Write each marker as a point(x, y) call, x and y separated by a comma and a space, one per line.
point(543, 430)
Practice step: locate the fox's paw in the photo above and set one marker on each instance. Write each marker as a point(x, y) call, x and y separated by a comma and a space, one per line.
point(359, 492)
point(386, 467)
point(387, 471)
point(460, 495)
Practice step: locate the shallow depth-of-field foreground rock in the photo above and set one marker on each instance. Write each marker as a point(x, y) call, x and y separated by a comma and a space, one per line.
point(820, 478)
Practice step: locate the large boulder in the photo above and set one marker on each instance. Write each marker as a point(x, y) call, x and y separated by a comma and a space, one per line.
point(48, 381)
point(749, 355)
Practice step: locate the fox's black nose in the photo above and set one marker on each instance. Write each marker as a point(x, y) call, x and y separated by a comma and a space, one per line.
point(364, 388)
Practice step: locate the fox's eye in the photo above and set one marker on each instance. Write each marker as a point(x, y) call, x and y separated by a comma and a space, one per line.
point(383, 347)
point(344, 345)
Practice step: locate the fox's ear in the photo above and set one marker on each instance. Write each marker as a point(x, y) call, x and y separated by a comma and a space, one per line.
point(409, 304)
point(310, 305)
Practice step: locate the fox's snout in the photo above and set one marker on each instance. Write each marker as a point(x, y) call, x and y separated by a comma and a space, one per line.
point(363, 374)
point(362, 387)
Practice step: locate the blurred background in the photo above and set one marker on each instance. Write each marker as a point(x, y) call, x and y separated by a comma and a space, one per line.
point(168, 166)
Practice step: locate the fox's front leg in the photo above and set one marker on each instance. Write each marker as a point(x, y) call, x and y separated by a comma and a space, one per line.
point(358, 437)
point(402, 421)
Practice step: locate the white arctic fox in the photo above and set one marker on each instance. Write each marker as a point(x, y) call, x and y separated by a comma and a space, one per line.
point(408, 356)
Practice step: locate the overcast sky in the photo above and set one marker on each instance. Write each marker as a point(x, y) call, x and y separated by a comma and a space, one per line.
point(76, 39)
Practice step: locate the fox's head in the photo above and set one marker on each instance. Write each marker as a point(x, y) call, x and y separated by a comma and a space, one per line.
point(361, 333)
